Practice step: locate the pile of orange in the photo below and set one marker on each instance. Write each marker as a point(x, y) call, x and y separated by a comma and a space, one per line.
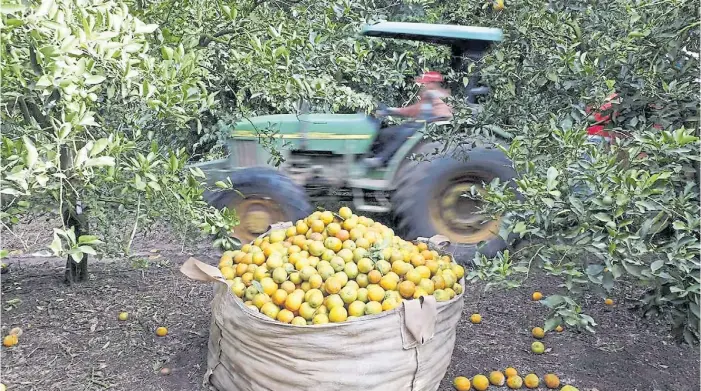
point(510, 378)
point(336, 267)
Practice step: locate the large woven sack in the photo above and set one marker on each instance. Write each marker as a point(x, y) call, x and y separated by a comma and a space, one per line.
point(406, 349)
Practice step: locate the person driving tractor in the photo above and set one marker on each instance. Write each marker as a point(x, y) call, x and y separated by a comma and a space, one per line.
point(429, 109)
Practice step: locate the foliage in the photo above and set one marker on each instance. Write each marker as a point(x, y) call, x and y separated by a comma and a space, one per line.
point(598, 214)
point(267, 56)
point(81, 87)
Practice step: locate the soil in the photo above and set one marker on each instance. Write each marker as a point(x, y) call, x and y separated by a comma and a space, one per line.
point(72, 339)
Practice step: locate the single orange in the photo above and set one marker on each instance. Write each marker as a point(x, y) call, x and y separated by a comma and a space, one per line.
point(551, 381)
point(161, 331)
point(461, 383)
point(10, 340)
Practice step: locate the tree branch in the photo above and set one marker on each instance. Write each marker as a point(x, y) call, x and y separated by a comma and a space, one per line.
point(207, 39)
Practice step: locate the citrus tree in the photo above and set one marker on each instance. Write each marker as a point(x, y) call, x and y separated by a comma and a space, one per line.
point(598, 214)
point(84, 98)
point(268, 56)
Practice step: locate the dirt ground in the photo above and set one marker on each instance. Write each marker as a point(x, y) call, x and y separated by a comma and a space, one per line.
point(73, 341)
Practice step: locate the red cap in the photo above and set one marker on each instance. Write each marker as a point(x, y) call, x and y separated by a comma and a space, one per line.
point(430, 77)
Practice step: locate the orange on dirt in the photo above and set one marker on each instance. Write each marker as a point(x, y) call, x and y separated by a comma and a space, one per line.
point(508, 372)
point(559, 329)
point(461, 383)
point(497, 378)
point(514, 382)
point(537, 348)
point(551, 381)
point(480, 382)
point(537, 296)
point(538, 332)
point(161, 331)
point(608, 301)
point(10, 341)
point(531, 380)
point(123, 316)
point(569, 388)
point(498, 5)
point(476, 318)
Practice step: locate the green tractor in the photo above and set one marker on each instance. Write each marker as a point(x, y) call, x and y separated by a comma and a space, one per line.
point(324, 152)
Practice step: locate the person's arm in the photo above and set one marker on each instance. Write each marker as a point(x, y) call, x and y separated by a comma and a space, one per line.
point(407, 111)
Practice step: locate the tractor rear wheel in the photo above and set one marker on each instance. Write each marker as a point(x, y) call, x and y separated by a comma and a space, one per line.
point(428, 201)
point(261, 197)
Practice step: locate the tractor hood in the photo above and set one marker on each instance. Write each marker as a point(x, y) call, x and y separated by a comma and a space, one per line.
point(328, 133)
point(340, 125)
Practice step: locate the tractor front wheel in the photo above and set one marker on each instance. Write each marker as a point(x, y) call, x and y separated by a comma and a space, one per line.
point(429, 200)
point(261, 197)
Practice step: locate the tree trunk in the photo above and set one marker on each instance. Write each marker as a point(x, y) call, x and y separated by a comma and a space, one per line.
point(76, 271)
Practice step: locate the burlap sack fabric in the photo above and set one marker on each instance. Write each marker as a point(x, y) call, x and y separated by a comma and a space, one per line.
point(408, 348)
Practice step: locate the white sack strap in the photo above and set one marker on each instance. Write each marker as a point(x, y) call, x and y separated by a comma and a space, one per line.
point(419, 321)
point(200, 271)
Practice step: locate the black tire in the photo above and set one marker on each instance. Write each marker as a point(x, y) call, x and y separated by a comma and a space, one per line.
point(421, 185)
point(284, 199)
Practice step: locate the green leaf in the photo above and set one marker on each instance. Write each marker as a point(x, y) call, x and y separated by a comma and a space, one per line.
point(89, 239)
point(553, 301)
point(12, 8)
point(94, 79)
point(56, 246)
point(679, 225)
point(32, 154)
point(154, 185)
point(552, 323)
point(602, 217)
point(552, 175)
point(87, 250)
point(100, 161)
point(594, 270)
point(99, 146)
